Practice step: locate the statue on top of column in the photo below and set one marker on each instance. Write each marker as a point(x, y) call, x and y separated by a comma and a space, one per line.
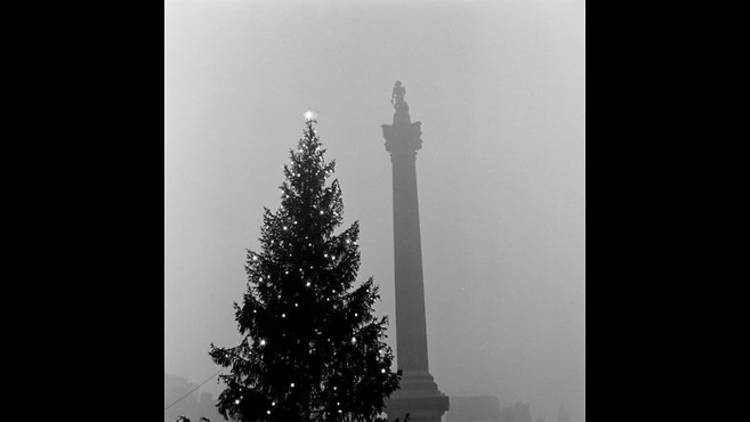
point(397, 99)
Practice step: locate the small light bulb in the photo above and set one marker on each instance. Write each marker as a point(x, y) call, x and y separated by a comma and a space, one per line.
point(268, 412)
point(354, 340)
point(291, 385)
point(283, 315)
point(285, 227)
point(307, 284)
point(237, 401)
point(263, 342)
point(273, 403)
point(382, 371)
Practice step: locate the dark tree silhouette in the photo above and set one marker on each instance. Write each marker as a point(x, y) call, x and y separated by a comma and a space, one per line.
point(312, 348)
point(204, 419)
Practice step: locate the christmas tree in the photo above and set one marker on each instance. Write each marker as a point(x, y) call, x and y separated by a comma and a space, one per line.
point(312, 348)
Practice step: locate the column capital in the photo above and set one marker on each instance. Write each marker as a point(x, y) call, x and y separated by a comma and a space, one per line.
point(403, 139)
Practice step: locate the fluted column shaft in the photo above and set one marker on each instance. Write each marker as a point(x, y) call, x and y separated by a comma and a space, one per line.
point(411, 326)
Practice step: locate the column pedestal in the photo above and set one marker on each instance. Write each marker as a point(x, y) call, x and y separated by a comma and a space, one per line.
point(418, 396)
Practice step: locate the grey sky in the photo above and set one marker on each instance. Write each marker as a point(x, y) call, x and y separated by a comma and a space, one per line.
point(499, 89)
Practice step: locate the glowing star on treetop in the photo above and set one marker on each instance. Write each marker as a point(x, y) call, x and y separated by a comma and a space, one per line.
point(309, 115)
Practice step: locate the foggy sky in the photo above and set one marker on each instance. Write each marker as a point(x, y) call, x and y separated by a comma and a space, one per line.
point(499, 89)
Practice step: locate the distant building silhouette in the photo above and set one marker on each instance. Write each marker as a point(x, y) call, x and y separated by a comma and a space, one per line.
point(518, 412)
point(474, 409)
point(190, 406)
point(563, 415)
point(486, 409)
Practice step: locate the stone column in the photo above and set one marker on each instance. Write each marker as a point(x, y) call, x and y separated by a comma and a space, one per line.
point(418, 394)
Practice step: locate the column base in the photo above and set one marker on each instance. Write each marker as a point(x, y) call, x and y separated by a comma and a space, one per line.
point(418, 396)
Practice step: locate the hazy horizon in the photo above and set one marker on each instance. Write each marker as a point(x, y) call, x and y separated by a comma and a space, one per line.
point(499, 89)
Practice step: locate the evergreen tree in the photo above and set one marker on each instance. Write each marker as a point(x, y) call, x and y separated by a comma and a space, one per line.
point(312, 348)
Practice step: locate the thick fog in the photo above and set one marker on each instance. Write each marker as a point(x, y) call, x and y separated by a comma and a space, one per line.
point(499, 89)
